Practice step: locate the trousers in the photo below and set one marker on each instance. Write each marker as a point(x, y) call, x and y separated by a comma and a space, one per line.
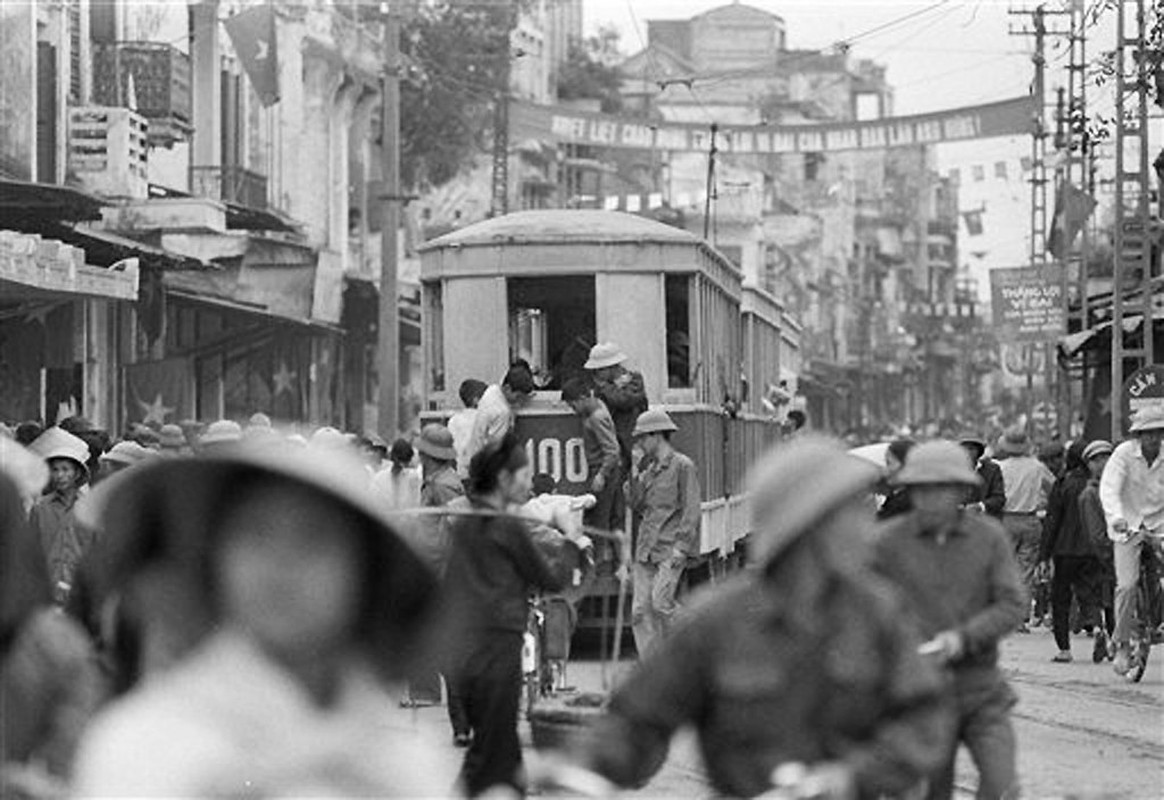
point(654, 605)
point(1079, 577)
point(1026, 533)
point(488, 688)
point(1127, 570)
point(984, 726)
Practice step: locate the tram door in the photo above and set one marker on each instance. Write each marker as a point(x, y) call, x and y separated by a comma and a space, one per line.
point(552, 325)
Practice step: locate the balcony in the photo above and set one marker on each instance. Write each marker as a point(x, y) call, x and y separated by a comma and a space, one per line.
point(230, 185)
point(160, 85)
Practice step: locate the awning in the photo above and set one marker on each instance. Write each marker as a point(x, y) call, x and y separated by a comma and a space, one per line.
point(21, 201)
point(32, 267)
point(1072, 344)
point(103, 248)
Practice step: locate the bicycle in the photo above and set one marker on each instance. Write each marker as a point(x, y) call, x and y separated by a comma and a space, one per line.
point(1149, 605)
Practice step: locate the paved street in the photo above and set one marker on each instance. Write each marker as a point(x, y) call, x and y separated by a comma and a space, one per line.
point(1083, 732)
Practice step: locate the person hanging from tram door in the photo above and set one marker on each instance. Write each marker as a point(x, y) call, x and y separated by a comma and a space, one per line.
point(603, 456)
point(621, 390)
point(666, 495)
point(495, 410)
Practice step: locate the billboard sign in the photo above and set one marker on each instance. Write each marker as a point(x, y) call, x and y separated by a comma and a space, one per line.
point(1144, 388)
point(1028, 303)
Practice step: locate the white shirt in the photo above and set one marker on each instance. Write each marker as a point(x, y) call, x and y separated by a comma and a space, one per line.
point(1132, 490)
point(494, 420)
point(229, 722)
point(461, 427)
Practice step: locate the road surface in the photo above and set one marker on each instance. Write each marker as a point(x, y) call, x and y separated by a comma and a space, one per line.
point(1083, 732)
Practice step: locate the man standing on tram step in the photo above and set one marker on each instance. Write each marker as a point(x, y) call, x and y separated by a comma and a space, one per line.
point(803, 659)
point(461, 424)
point(1132, 493)
point(958, 572)
point(495, 417)
point(666, 496)
point(621, 390)
point(1027, 483)
point(603, 456)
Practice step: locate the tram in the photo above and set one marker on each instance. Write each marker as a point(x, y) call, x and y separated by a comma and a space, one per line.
point(544, 286)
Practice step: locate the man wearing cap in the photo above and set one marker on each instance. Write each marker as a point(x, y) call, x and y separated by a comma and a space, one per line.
point(802, 660)
point(990, 497)
point(1027, 483)
point(621, 390)
point(495, 416)
point(1132, 492)
point(666, 497)
point(65, 543)
point(959, 575)
point(1096, 456)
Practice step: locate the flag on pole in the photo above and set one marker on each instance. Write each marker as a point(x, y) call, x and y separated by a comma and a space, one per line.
point(254, 37)
point(1072, 208)
point(157, 391)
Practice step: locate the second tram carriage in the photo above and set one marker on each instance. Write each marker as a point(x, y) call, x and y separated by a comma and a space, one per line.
point(545, 286)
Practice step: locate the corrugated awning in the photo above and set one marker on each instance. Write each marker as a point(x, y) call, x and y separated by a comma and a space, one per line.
point(20, 201)
point(32, 267)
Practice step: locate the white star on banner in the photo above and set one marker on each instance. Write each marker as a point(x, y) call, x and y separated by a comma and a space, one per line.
point(157, 411)
point(283, 379)
point(263, 49)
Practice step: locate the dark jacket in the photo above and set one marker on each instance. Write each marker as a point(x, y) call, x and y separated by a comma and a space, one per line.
point(992, 493)
point(969, 583)
point(626, 397)
point(1063, 531)
point(896, 503)
point(494, 564)
point(769, 674)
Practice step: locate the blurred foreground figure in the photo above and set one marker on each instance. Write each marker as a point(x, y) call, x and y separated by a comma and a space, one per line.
point(802, 660)
point(49, 681)
point(300, 602)
point(960, 576)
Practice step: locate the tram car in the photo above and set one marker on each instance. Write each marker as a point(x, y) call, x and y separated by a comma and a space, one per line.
point(544, 286)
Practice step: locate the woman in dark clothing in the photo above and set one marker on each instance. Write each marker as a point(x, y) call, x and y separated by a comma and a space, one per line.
point(1077, 569)
point(897, 498)
point(493, 565)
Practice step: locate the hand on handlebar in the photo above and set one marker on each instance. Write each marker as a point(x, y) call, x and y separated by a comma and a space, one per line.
point(826, 781)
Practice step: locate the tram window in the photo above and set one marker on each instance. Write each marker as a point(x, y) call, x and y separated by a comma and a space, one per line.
point(677, 290)
point(552, 325)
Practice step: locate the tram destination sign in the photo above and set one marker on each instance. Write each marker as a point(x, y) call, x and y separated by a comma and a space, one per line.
point(554, 123)
point(1027, 303)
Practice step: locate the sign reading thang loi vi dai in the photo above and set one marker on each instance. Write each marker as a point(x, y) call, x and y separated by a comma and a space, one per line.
point(1028, 303)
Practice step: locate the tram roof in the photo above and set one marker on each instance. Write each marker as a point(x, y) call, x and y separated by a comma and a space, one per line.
point(564, 226)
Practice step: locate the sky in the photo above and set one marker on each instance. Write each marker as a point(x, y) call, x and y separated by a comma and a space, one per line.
point(942, 55)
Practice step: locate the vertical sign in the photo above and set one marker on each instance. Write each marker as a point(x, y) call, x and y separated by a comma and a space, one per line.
point(1028, 303)
point(17, 87)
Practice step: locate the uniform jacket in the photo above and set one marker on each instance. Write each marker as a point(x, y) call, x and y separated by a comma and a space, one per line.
point(769, 674)
point(626, 397)
point(229, 722)
point(63, 540)
point(969, 583)
point(600, 444)
point(666, 495)
point(438, 490)
point(992, 492)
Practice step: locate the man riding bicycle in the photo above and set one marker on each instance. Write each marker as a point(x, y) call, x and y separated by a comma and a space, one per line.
point(1132, 493)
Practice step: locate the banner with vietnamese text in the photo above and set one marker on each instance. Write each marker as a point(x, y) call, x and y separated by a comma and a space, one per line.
point(1027, 303)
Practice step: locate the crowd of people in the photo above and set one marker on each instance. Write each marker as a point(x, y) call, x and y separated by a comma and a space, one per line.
point(234, 609)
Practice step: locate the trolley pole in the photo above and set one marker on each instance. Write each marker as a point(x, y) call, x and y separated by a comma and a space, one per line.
point(707, 203)
point(388, 343)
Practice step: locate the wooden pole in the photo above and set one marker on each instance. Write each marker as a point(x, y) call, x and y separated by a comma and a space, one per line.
point(388, 345)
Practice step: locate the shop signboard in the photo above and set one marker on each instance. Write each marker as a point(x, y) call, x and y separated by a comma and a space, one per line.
point(1027, 303)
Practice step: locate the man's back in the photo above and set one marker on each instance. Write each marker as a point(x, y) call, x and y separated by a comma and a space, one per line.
point(1027, 482)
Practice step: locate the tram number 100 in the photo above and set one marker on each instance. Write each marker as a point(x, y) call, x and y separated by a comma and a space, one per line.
point(565, 463)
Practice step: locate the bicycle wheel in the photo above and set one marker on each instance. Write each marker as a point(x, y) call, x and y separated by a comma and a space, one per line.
point(1142, 642)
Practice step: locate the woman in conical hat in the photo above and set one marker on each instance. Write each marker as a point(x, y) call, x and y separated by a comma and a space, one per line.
point(291, 605)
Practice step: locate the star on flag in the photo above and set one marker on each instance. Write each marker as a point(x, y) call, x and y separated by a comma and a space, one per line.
point(157, 411)
point(283, 379)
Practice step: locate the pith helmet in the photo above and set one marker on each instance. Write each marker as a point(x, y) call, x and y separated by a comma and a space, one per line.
point(59, 443)
point(222, 432)
point(797, 485)
point(656, 420)
point(127, 453)
point(937, 463)
point(436, 441)
point(603, 355)
point(1148, 418)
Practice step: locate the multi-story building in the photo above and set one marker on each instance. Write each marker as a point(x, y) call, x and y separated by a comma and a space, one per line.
point(271, 184)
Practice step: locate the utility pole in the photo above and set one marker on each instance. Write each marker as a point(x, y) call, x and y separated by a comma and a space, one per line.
point(499, 204)
point(388, 344)
point(1038, 218)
